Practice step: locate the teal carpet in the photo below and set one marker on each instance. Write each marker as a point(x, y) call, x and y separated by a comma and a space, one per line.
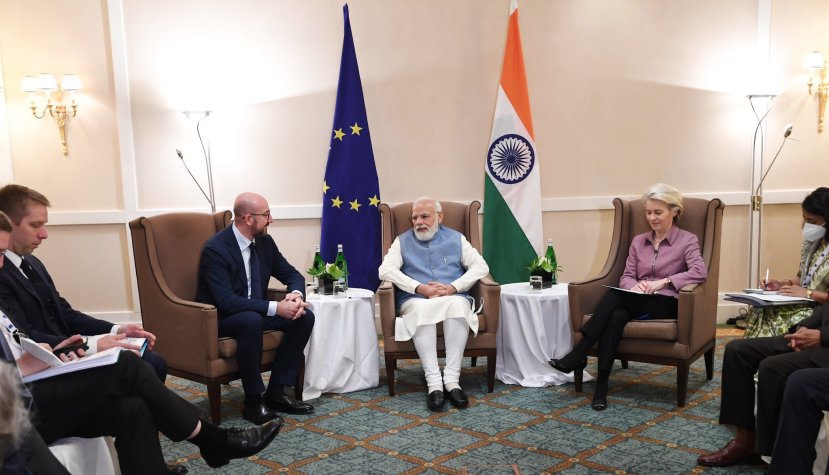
point(513, 430)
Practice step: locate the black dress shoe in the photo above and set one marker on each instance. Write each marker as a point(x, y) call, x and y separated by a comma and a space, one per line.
point(560, 365)
point(599, 402)
point(243, 443)
point(176, 469)
point(457, 398)
point(257, 412)
point(283, 403)
point(435, 401)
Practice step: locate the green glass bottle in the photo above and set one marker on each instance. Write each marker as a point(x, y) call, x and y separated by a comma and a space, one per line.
point(318, 265)
point(342, 264)
point(551, 258)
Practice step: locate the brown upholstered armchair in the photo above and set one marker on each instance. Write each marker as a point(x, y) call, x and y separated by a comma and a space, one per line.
point(167, 249)
point(671, 342)
point(464, 219)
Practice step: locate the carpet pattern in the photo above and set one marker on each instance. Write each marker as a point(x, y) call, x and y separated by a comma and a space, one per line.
point(513, 430)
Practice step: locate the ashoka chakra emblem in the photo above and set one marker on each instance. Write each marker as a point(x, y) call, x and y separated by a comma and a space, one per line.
point(510, 159)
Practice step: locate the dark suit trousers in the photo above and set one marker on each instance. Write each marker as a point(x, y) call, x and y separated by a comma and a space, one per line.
point(773, 361)
point(247, 328)
point(613, 312)
point(157, 363)
point(804, 400)
point(125, 400)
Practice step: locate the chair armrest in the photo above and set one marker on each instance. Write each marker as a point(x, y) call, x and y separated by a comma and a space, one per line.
point(385, 296)
point(696, 318)
point(187, 333)
point(490, 291)
point(583, 297)
point(276, 294)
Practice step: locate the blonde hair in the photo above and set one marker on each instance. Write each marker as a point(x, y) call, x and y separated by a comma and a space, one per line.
point(666, 194)
point(14, 419)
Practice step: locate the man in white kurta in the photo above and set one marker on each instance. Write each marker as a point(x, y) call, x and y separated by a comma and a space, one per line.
point(432, 268)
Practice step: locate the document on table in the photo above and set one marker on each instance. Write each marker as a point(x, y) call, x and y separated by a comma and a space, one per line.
point(766, 300)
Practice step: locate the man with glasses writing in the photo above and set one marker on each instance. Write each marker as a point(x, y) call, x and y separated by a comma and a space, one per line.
point(235, 267)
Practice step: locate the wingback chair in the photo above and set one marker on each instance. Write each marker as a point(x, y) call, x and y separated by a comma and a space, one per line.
point(464, 219)
point(675, 342)
point(167, 249)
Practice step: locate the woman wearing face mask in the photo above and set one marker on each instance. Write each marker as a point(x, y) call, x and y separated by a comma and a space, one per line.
point(812, 279)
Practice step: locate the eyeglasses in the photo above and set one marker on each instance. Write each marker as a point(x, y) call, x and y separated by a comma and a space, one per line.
point(266, 214)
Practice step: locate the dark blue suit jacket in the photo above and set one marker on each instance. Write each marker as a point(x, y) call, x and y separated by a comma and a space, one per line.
point(222, 278)
point(28, 312)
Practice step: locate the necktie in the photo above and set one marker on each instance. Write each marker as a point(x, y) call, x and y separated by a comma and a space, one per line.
point(29, 271)
point(255, 282)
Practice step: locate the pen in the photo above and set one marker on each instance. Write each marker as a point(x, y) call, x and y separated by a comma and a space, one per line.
point(766, 282)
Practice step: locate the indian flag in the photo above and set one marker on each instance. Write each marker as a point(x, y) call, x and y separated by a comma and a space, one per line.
point(512, 186)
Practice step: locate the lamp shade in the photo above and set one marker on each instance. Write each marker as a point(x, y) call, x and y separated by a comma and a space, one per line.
point(70, 82)
point(28, 84)
point(46, 82)
point(813, 60)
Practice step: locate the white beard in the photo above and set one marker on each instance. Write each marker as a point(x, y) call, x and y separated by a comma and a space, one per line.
point(428, 234)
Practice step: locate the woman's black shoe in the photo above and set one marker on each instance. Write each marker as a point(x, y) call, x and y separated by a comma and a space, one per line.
point(560, 365)
point(600, 393)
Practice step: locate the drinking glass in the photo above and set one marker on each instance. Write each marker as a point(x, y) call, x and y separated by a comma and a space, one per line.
point(535, 283)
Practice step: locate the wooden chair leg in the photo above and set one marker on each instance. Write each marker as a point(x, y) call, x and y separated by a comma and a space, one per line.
point(300, 381)
point(391, 365)
point(578, 379)
point(490, 370)
point(681, 383)
point(624, 364)
point(214, 398)
point(475, 362)
point(709, 364)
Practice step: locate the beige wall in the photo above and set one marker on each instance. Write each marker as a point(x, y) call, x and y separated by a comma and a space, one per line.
point(623, 94)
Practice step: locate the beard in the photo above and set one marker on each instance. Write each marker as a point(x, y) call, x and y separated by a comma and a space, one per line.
point(428, 234)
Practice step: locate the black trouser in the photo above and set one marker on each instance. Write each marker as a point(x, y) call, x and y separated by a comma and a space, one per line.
point(125, 400)
point(773, 361)
point(614, 310)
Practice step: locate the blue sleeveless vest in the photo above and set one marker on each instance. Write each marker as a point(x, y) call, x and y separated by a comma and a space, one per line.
point(436, 260)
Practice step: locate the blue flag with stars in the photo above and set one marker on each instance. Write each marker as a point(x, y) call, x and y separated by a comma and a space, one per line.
point(350, 191)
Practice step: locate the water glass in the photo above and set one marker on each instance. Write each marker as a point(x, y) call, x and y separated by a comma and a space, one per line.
point(339, 290)
point(310, 289)
point(535, 283)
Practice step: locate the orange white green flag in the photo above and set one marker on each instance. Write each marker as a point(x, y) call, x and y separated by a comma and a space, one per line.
point(512, 184)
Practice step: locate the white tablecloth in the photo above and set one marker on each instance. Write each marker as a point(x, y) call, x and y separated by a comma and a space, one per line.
point(534, 327)
point(342, 353)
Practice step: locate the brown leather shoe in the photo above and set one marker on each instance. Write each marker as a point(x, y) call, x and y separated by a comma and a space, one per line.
point(732, 454)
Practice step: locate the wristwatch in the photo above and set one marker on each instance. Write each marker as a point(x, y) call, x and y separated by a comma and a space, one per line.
point(808, 293)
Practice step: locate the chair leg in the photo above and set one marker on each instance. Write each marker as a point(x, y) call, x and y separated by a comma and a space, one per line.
point(578, 379)
point(709, 364)
point(490, 370)
point(300, 381)
point(214, 398)
point(475, 362)
point(391, 365)
point(624, 364)
point(681, 383)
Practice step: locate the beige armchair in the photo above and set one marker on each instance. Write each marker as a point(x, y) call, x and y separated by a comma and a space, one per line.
point(464, 219)
point(167, 249)
point(671, 342)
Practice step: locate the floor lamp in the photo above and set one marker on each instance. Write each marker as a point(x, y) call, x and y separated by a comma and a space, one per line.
point(209, 195)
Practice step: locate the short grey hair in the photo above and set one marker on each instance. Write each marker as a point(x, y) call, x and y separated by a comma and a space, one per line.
point(428, 199)
point(14, 419)
point(666, 194)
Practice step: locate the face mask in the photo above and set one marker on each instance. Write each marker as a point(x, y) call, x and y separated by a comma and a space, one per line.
point(813, 232)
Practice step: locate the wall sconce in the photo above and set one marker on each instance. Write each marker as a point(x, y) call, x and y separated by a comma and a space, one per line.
point(44, 85)
point(814, 62)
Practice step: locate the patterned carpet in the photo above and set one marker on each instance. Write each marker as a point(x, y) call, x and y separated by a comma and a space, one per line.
point(513, 430)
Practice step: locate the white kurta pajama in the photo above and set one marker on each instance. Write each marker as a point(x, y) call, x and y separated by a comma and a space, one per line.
point(426, 313)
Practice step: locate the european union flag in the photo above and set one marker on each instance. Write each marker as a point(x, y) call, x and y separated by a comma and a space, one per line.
point(350, 192)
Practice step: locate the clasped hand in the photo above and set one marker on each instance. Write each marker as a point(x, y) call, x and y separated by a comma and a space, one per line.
point(650, 286)
point(292, 306)
point(435, 289)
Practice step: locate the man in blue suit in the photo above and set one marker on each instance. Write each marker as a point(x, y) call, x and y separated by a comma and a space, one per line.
point(33, 300)
point(236, 265)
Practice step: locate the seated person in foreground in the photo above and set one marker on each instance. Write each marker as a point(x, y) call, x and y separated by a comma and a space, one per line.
point(432, 267)
point(773, 358)
point(236, 265)
point(812, 281)
point(660, 262)
point(29, 293)
point(801, 413)
point(125, 400)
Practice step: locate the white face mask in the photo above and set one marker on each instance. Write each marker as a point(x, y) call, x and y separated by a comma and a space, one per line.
point(813, 232)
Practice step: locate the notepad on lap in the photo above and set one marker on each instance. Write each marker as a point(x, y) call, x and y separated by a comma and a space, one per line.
point(56, 366)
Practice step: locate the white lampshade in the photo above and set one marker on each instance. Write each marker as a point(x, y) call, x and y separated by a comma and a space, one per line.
point(813, 60)
point(46, 82)
point(28, 84)
point(70, 82)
